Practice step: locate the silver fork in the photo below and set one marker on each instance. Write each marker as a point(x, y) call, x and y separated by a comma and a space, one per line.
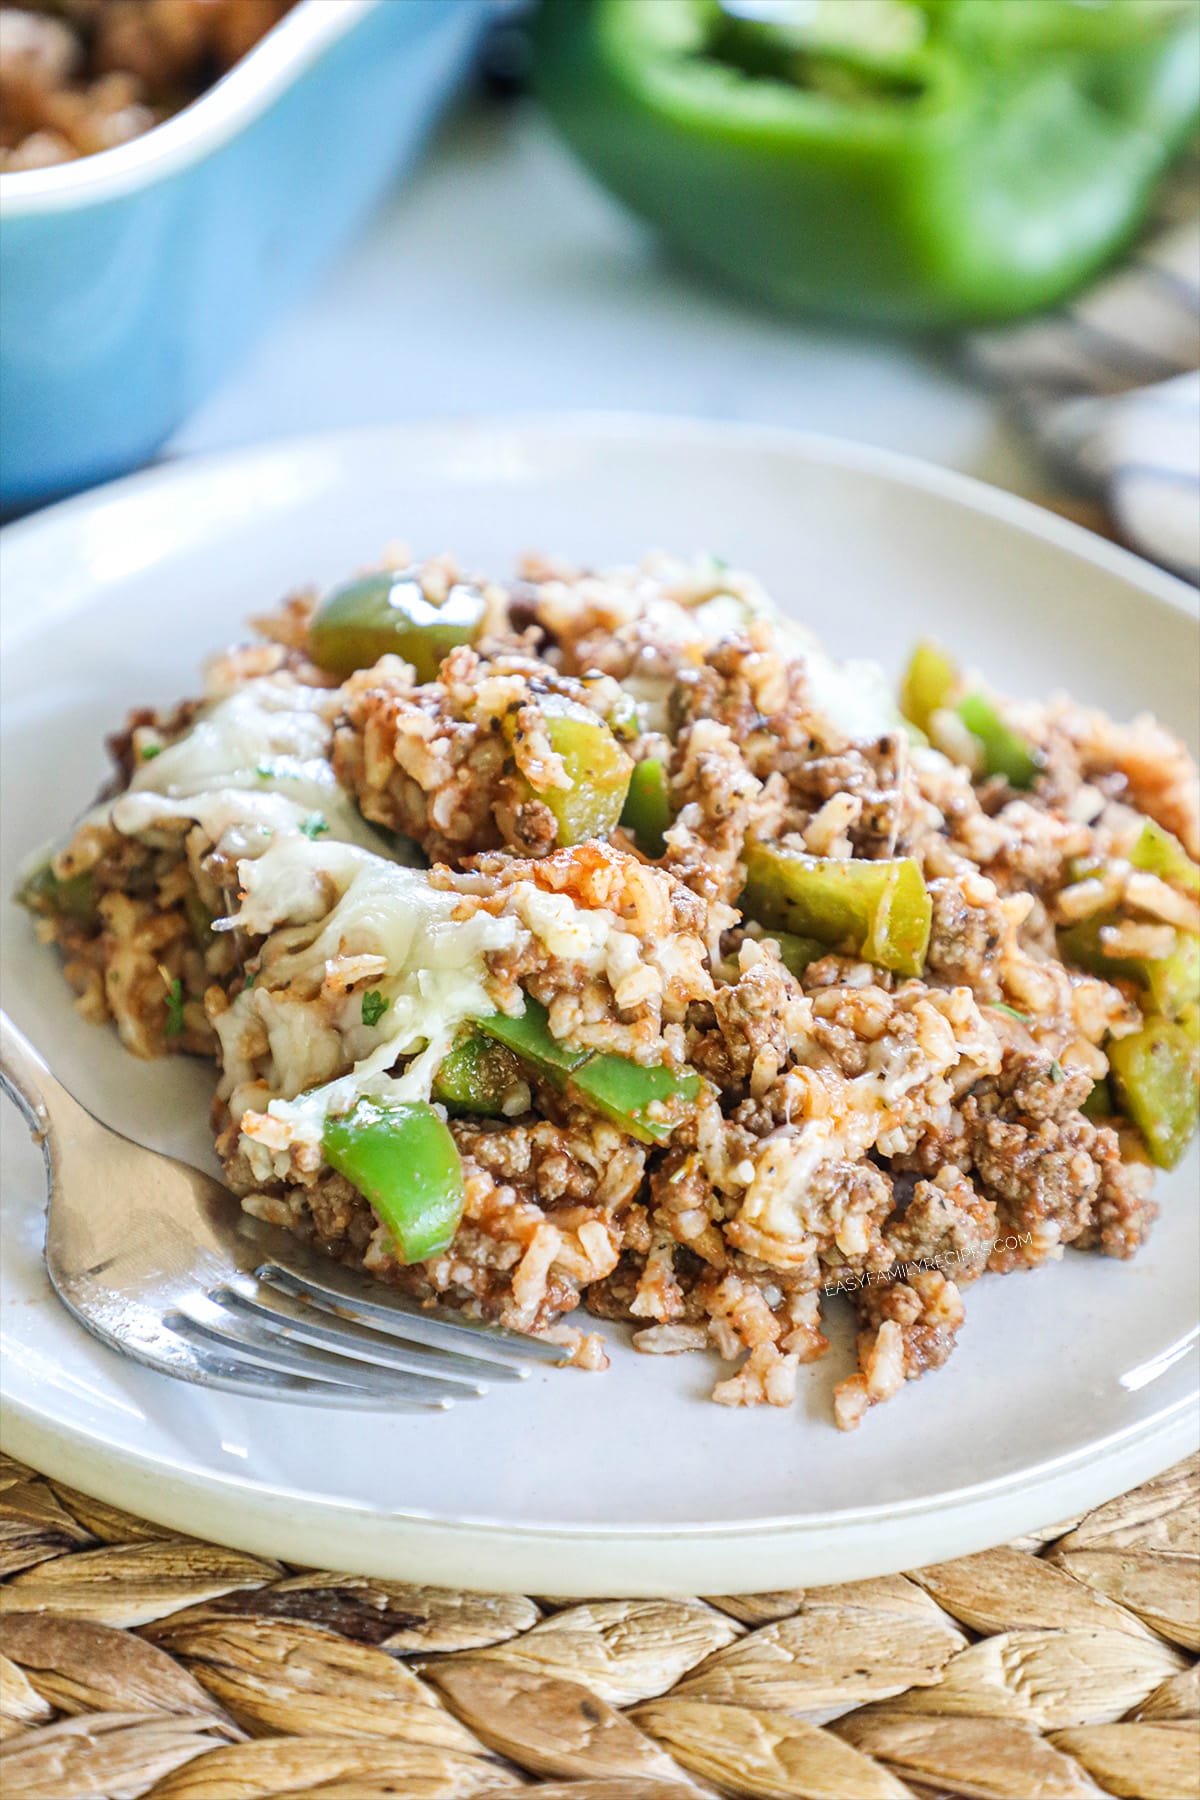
point(158, 1261)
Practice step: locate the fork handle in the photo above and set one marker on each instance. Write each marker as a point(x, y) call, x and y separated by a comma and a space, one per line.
point(25, 1078)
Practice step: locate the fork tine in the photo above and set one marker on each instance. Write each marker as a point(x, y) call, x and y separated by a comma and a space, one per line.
point(403, 1320)
point(301, 1320)
point(212, 1368)
point(306, 1335)
point(199, 1320)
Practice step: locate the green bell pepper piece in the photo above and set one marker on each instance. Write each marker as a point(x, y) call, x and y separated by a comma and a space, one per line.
point(387, 613)
point(928, 685)
point(1099, 1104)
point(477, 1076)
point(530, 1037)
point(61, 897)
point(932, 683)
point(598, 767)
point(1155, 1073)
point(647, 811)
point(1178, 986)
point(796, 953)
point(878, 910)
point(1005, 751)
point(646, 1100)
point(1170, 982)
point(1159, 853)
point(403, 1160)
point(937, 163)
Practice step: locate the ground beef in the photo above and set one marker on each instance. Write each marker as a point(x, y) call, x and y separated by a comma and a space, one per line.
point(874, 776)
point(1040, 1159)
point(458, 765)
point(1036, 848)
point(759, 1017)
point(947, 1224)
point(964, 940)
point(761, 699)
point(543, 1217)
point(1123, 1211)
point(1156, 774)
point(718, 804)
point(581, 1162)
point(909, 1326)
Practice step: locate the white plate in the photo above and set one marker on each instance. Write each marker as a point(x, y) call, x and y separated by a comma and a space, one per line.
point(1068, 1385)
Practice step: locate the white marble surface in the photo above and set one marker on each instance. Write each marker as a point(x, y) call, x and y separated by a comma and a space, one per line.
point(502, 279)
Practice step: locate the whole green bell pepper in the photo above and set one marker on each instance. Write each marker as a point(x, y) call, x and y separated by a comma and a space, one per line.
point(919, 162)
point(403, 1160)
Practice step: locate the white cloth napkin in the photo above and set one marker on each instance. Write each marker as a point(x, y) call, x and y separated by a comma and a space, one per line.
point(1110, 388)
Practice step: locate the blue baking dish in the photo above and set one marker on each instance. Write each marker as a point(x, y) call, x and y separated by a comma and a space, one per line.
point(131, 279)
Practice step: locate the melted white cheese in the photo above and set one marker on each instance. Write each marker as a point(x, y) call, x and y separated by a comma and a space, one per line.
point(853, 696)
point(568, 931)
point(864, 1107)
point(252, 764)
point(328, 900)
point(776, 1201)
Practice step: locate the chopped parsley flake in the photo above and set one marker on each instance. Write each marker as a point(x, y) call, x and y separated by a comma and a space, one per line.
point(264, 771)
point(373, 1006)
point(314, 825)
point(149, 751)
point(250, 981)
point(1056, 1072)
point(174, 1024)
point(1003, 1006)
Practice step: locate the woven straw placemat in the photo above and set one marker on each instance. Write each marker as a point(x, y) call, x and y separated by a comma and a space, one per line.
point(136, 1662)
